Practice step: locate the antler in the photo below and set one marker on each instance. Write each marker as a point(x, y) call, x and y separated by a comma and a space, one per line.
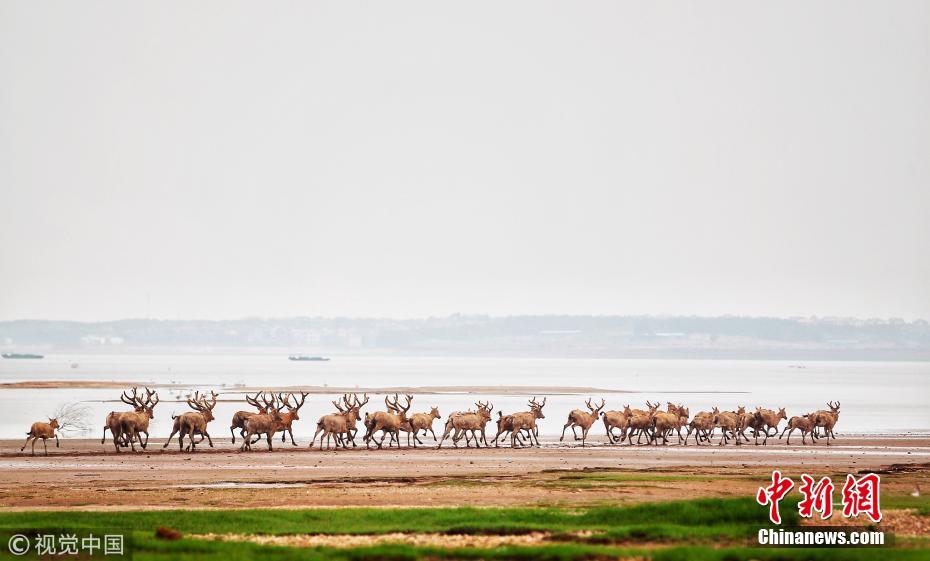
point(588, 403)
point(391, 406)
point(253, 401)
point(133, 400)
point(358, 404)
point(195, 403)
point(209, 405)
point(148, 397)
point(401, 409)
point(303, 398)
point(339, 406)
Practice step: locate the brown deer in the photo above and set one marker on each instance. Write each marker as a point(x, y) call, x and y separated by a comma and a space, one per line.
point(239, 418)
point(463, 423)
point(770, 419)
point(615, 420)
point(663, 422)
point(194, 422)
point(136, 423)
point(263, 424)
point(113, 421)
point(342, 423)
point(388, 422)
point(803, 423)
point(827, 420)
point(733, 422)
point(583, 419)
point(423, 422)
point(702, 425)
point(526, 421)
point(640, 422)
point(43, 431)
point(287, 419)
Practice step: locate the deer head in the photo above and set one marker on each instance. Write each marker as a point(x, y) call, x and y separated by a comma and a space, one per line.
point(53, 423)
point(596, 411)
point(782, 414)
point(834, 408)
point(434, 413)
point(135, 400)
point(537, 407)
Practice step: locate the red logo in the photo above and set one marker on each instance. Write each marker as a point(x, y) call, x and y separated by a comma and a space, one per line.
point(860, 496)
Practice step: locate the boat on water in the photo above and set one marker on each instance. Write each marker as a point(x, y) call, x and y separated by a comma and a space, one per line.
point(21, 355)
point(308, 358)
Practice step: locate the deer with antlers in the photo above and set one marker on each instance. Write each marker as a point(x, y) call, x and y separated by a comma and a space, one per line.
point(239, 418)
point(583, 419)
point(640, 422)
point(526, 421)
point(461, 423)
point(288, 418)
point(44, 431)
point(423, 422)
point(388, 422)
point(194, 422)
point(113, 420)
point(827, 420)
point(341, 425)
point(136, 423)
point(266, 423)
point(702, 425)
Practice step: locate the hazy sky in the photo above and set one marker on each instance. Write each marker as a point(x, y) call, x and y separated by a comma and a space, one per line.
point(225, 159)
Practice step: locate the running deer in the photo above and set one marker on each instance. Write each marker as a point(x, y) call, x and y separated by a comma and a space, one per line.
point(640, 422)
point(803, 423)
point(287, 419)
point(43, 431)
point(526, 421)
point(266, 424)
point(827, 420)
point(136, 423)
point(423, 422)
point(733, 422)
point(388, 422)
point(114, 418)
point(341, 425)
point(770, 419)
point(239, 418)
point(702, 425)
point(194, 422)
point(583, 419)
point(615, 420)
point(463, 423)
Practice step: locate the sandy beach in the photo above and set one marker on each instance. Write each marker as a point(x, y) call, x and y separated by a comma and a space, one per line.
point(84, 474)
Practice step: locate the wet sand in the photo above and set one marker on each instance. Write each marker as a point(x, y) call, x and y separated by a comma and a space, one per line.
point(84, 474)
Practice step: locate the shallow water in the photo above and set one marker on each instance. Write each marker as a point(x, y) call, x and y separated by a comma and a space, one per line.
point(876, 397)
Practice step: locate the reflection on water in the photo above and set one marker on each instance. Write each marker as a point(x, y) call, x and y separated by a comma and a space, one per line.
point(877, 397)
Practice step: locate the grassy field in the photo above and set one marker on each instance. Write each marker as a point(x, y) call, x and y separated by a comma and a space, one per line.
point(681, 530)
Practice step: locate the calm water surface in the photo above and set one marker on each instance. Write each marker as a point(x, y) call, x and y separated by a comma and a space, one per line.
point(877, 397)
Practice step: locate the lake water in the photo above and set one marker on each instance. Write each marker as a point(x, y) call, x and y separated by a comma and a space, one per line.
point(877, 397)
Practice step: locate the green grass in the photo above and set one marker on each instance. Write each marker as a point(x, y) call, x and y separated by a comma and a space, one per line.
point(704, 529)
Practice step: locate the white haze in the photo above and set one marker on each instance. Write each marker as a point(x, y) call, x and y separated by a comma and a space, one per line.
point(225, 159)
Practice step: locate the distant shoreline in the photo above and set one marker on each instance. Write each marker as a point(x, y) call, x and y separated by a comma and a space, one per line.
point(479, 389)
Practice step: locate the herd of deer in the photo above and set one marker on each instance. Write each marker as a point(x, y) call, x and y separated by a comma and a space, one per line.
point(276, 412)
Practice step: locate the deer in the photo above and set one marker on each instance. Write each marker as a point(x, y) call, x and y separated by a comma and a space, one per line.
point(341, 423)
point(388, 422)
point(193, 422)
point(827, 420)
point(526, 420)
point(732, 421)
point(466, 422)
point(664, 422)
point(266, 424)
point(239, 418)
point(702, 425)
point(615, 420)
point(44, 431)
point(803, 423)
point(682, 413)
point(131, 424)
point(771, 419)
point(583, 419)
point(423, 422)
point(114, 417)
point(287, 419)
point(640, 422)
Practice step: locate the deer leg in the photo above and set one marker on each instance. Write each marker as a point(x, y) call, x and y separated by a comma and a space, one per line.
point(34, 445)
point(104, 437)
point(25, 443)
